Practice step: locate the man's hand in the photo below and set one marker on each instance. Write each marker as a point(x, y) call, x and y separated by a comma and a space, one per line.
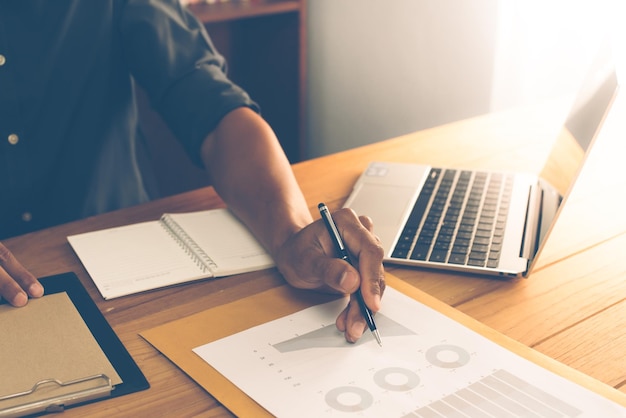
point(16, 283)
point(308, 261)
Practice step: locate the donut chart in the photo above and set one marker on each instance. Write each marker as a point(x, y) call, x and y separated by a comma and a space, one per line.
point(349, 399)
point(396, 379)
point(447, 356)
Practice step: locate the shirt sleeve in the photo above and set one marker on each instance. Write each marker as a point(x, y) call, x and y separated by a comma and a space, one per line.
point(171, 56)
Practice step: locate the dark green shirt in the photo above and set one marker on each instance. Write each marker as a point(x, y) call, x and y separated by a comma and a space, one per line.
point(69, 139)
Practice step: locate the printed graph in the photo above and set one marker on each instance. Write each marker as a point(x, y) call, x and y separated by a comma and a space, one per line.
point(327, 337)
point(429, 366)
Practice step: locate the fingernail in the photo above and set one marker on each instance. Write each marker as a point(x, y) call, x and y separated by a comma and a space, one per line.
point(377, 302)
point(20, 299)
point(349, 281)
point(35, 290)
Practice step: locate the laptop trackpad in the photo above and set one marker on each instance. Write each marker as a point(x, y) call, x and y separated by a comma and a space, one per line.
point(388, 206)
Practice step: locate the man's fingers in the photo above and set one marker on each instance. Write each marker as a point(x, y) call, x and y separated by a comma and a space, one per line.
point(367, 252)
point(16, 283)
point(351, 322)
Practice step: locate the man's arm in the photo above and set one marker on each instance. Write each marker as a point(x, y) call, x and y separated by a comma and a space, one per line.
point(251, 173)
point(253, 176)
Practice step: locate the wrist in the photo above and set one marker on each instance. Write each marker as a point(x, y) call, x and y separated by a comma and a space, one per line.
point(289, 229)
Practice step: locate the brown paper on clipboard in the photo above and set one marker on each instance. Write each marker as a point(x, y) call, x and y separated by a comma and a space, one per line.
point(48, 339)
point(177, 339)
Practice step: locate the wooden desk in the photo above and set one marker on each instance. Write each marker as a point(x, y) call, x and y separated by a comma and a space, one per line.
point(573, 308)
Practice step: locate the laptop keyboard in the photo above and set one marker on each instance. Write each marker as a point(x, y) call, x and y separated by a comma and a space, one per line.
point(458, 218)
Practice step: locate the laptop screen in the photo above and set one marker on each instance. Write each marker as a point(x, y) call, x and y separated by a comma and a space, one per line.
point(583, 122)
point(581, 126)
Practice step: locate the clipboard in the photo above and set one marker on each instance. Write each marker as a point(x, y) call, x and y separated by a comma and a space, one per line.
point(39, 397)
point(178, 338)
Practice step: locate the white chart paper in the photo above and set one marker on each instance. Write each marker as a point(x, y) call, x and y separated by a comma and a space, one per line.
point(429, 366)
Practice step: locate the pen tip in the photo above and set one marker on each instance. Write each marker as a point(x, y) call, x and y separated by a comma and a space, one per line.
point(377, 336)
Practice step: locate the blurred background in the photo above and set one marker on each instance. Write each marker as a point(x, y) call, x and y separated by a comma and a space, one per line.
point(331, 75)
point(382, 68)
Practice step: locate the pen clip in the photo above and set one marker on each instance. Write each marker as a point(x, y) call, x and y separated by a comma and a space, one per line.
point(334, 232)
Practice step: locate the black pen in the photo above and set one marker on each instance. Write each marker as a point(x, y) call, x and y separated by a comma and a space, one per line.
point(342, 253)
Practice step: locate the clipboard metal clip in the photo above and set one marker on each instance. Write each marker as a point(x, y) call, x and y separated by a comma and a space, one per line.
point(60, 402)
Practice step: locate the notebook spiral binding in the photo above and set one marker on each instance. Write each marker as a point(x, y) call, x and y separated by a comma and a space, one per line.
point(56, 403)
point(189, 245)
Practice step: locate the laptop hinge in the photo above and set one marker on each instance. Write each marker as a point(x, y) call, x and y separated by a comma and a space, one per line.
point(533, 221)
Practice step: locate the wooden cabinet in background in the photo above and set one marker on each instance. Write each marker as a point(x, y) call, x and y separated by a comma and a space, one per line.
point(264, 43)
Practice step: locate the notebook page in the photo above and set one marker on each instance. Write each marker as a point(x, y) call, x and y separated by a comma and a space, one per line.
point(225, 240)
point(134, 258)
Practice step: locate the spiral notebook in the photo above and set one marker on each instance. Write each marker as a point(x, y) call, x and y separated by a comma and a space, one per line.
point(177, 248)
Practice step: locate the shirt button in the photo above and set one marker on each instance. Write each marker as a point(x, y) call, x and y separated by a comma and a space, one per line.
point(3, 59)
point(13, 139)
point(27, 216)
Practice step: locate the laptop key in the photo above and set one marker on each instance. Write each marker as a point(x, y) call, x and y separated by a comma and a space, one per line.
point(400, 253)
point(476, 262)
point(477, 255)
point(456, 258)
point(420, 252)
point(460, 249)
point(492, 263)
point(438, 256)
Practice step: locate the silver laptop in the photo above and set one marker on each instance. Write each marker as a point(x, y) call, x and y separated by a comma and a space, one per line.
point(486, 222)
